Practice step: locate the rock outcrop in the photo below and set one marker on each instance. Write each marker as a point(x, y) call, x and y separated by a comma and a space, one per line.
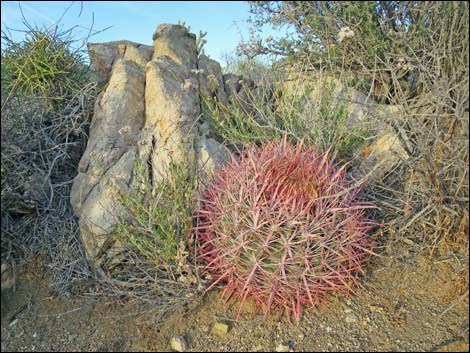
point(384, 149)
point(104, 55)
point(148, 111)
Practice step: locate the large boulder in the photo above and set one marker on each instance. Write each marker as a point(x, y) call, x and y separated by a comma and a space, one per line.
point(148, 111)
point(177, 43)
point(110, 153)
point(312, 91)
point(384, 148)
point(104, 55)
point(211, 79)
point(171, 111)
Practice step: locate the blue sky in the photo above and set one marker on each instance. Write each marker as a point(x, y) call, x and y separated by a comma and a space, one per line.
point(224, 21)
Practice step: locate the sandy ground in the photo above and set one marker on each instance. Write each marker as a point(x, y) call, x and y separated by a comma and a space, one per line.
point(411, 305)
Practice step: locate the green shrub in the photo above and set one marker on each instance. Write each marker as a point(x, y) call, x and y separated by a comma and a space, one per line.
point(158, 217)
point(261, 116)
point(377, 41)
point(255, 69)
point(44, 65)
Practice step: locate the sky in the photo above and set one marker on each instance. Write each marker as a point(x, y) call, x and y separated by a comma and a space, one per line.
point(224, 21)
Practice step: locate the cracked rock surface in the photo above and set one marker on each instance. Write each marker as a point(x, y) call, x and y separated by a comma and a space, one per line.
point(148, 111)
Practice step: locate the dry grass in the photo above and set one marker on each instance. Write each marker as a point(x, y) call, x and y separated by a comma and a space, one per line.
point(43, 133)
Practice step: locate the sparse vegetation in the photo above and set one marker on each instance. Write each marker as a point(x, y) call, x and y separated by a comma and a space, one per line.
point(158, 217)
point(47, 101)
point(409, 56)
point(393, 52)
point(258, 115)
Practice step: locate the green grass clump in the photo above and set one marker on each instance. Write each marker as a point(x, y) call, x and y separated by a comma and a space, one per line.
point(159, 216)
point(44, 64)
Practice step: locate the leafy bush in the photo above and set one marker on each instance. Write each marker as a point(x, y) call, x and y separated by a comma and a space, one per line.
point(317, 26)
point(254, 69)
point(257, 115)
point(283, 226)
point(158, 217)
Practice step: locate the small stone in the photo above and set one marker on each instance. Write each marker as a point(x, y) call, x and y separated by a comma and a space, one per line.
point(220, 329)
point(347, 311)
point(376, 308)
point(351, 318)
point(179, 344)
point(301, 336)
point(257, 348)
point(283, 347)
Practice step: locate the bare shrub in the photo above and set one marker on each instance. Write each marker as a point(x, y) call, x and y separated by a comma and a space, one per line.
point(410, 55)
point(47, 102)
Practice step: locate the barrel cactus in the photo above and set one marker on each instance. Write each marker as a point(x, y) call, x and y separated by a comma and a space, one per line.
point(282, 225)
